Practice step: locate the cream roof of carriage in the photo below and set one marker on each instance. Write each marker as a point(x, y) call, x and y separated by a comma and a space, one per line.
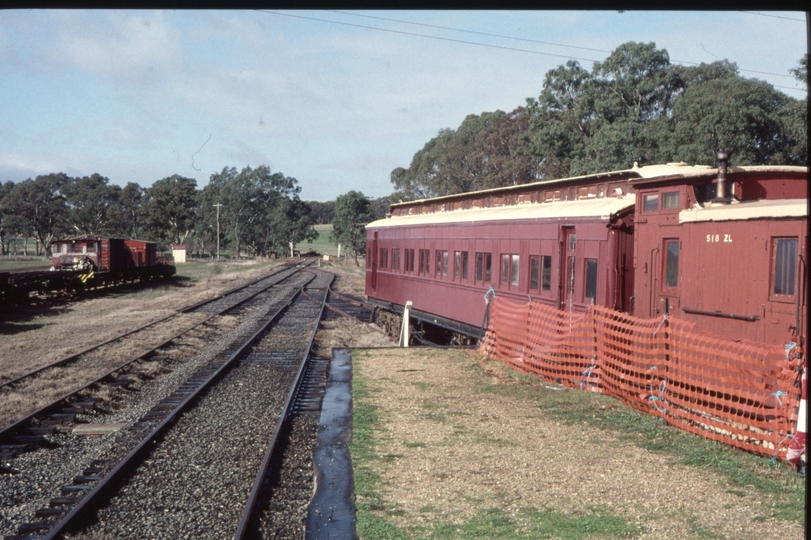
point(414, 212)
point(585, 208)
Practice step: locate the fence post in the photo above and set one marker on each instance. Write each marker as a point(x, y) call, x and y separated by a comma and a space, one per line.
point(666, 339)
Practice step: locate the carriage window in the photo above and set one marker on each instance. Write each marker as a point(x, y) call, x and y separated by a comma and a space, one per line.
point(395, 259)
point(784, 266)
point(441, 263)
point(483, 262)
point(670, 201)
point(671, 263)
point(515, 266)
point(457, 264)
point(591, 278)
point(464, 265)
point(651, 203)
point(505, 268)
point(534, 273)
point(409, 262)
point(546, 281)
point(425, 261)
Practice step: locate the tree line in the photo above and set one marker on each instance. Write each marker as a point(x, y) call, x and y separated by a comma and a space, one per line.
point(634, 107)
point(260, 212)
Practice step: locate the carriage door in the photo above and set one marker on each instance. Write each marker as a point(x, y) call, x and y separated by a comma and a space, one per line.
point(374, 262)
point(567, 268)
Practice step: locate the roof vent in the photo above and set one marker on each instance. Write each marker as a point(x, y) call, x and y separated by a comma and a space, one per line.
point(720, 184)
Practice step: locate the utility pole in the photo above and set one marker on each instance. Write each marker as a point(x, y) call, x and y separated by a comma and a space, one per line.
point(218, 230)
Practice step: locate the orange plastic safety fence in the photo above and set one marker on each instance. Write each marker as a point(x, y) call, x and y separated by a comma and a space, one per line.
point(740, 393)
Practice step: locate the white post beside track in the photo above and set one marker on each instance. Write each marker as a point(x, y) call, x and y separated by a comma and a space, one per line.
point(404, 337)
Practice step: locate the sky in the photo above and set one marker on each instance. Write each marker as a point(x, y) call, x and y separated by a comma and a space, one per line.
point(334, 99)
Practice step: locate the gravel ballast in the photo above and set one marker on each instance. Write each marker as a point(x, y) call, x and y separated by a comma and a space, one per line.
point(43, 472)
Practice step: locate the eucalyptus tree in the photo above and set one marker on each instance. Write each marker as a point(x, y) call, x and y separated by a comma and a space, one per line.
point(745, 117)
point(291, 222)
point(352, 212)
point(38, 207)
point(127, 211)
point(169, 208)
point(4, 225)
point(254, 203)
point(91, 201)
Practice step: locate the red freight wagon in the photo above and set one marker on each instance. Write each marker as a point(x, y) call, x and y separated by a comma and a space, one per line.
point(140, 253)
point(641, 241)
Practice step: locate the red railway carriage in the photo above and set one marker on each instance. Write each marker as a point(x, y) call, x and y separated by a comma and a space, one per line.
point(730, 259)
point(140, 253)
point(642, 241)
point(554, 242)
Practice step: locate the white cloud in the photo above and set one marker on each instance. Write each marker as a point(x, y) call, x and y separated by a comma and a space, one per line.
point(115, 45)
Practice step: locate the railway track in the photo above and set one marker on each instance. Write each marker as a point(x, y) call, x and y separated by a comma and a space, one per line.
point(61, 384)
point(192, 480)
point(220, 303)
point(54, 428)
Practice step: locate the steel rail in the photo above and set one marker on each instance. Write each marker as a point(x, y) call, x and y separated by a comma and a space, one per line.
point(103, 484)
point(12, 430)
point(334, 309)
point(358, 303)
point(253, 498)
point(69, 359)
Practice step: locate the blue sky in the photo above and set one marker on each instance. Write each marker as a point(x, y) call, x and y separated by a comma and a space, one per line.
point(141, 95)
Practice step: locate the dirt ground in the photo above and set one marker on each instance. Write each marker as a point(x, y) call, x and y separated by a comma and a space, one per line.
point(31, 337)
point(448, 449)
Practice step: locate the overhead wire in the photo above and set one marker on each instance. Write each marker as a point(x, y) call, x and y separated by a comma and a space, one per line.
point(773, 16)
point(527, 40)
point(501, 47)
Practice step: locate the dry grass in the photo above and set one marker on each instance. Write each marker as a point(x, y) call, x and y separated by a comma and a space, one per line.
point(450, 447)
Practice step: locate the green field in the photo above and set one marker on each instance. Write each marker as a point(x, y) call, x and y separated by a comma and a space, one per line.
point(322, 245)
point(15, 263)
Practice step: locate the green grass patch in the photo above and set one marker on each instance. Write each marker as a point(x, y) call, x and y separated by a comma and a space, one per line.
point(33, 262)
point(197, 270)
point(527, 523)
point(740, 473)
point(414, 444)
point(322, 244)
